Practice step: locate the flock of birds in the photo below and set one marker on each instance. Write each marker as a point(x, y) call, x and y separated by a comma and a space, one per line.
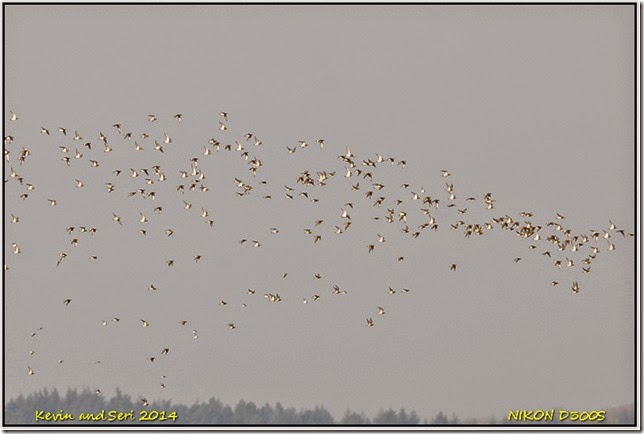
point(415, 211)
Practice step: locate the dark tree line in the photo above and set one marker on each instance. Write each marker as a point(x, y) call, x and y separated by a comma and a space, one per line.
point(22, 411)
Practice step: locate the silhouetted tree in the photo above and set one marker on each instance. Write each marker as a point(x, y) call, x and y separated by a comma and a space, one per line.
point(351, 418)
point(318, 416)
point(120, 402)
point(413, 418)
point(385, 417)
point(440, 419)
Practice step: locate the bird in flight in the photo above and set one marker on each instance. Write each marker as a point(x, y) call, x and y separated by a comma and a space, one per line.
point(403, 199)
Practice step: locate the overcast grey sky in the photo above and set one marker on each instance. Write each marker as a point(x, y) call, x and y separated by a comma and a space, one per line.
point(531, 103)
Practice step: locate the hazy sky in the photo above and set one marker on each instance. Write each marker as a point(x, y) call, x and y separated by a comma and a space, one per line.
point(531, 103)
